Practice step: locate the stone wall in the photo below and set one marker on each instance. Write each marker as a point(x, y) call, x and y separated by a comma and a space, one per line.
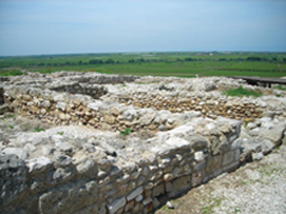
point(67, 109)
point(84, 179)
point(208, 104)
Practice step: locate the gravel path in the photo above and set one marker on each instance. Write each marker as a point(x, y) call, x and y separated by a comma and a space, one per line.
point(256, 188)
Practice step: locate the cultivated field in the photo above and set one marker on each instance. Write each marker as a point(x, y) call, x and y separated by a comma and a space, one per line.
point(182, 64)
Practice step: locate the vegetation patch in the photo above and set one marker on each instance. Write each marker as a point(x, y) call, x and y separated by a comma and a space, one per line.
point(126, 132)
point(280, 87)
point(60, 133)
point(212, 203)
point(240, 92)
point(38, 129)
point(11, 73)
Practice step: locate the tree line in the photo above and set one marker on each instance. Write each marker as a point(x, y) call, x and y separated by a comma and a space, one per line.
point(141, 60)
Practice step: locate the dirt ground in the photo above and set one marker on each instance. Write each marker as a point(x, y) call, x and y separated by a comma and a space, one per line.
point(257, 187)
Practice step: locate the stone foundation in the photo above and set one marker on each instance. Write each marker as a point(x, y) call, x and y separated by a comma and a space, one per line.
point(88, 167)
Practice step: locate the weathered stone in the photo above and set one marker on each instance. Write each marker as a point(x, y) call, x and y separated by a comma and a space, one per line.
point(38, 164)
point(257, 156)
point(178, 186)
point(116, 205)
point(64, 199)
point(109, 119)
point(17, 151)
point(197, 142)
point(158, 190)
point(63, 160)
point(13, 178)
point(85, 165)
point(135, 193)
point(274, 134)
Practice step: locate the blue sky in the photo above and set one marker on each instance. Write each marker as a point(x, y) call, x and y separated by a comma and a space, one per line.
point(60, 27)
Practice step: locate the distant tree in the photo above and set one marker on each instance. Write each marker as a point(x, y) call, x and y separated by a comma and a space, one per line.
point(131, 61)
point(109, 61)
point(253, 58)
point(80, 62)
point(140, 60)
point(188, 59)
point(274, 59)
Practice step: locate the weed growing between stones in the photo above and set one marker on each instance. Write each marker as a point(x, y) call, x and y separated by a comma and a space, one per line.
point(126, 132)
point(240, 92)
point(38, 129)
point(60, 133)
point(11, 127)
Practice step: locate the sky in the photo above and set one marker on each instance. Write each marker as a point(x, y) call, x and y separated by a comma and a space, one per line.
point(42, 27)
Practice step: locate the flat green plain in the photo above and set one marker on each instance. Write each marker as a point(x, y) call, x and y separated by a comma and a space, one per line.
point(182, 64)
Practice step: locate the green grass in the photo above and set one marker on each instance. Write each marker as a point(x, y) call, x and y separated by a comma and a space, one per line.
point(156, 64)
point(240, 92)
point(38, 129)
point(11, 73)
point(126, 132)
point(60, 133)
point(212, 203)
point(280, 87)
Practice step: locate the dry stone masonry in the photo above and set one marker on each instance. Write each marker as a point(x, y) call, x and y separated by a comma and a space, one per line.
point(184, 133)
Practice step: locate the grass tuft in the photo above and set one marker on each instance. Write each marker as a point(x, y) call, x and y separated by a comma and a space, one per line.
point(240, 92)
point(38, 129)
point(126, 132)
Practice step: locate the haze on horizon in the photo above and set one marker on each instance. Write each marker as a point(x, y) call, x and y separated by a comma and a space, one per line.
point(69, 27)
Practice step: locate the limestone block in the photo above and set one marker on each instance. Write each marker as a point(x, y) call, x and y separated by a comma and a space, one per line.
point(13, 178)
point(84, 165)
point(178, 186)
point(228, 158)
point(135, 193)
point(197, 142)
point(116, 205)
point(274, 134)
point(158, 190)
point(21, 153)
point(214, 163)
point(68, 198)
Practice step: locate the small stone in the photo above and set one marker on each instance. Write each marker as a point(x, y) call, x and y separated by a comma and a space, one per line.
point(257, 156)
point(63, 160)
point(162, 128)
point(170, 205)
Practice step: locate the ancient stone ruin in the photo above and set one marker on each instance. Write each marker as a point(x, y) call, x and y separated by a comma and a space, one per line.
point(126, 144)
